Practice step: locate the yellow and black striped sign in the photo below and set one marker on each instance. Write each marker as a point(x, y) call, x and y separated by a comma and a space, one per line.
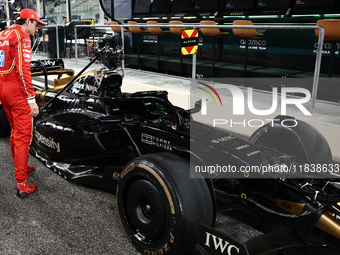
point(189, 41)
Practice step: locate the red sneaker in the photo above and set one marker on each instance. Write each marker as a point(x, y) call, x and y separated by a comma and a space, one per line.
point(30, 169)
point(25, 189)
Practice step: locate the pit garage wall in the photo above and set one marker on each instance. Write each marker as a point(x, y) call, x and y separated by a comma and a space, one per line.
point(293, 50)
point(325, 118)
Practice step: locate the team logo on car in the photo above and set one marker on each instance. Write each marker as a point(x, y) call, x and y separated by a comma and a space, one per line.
point(156, 141)
point(48, 142)
point(2, 58)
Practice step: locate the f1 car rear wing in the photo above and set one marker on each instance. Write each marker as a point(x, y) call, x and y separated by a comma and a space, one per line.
point(49, 64)
point(50, 67)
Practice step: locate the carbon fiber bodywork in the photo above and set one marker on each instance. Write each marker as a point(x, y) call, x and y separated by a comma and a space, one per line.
point(89, 130)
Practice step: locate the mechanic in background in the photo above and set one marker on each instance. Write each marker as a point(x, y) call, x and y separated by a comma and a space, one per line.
point(106, 21)
point(17, 93)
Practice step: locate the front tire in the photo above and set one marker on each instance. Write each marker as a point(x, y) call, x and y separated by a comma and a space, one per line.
point(160, 206)
point(303, 142)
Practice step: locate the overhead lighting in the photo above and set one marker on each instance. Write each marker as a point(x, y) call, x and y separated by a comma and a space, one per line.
point(332, 15)
point(263, 16)
point(241, 17)
point(307, 15)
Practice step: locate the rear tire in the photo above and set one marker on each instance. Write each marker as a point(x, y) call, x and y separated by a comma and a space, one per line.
point(160, 206)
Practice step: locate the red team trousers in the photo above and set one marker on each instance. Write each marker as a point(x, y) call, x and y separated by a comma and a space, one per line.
point(18, 111)
point(16, 91)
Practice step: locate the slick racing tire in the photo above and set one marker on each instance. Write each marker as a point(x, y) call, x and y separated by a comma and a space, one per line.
point(5, 129)
point(160, 206)
point(303, 141)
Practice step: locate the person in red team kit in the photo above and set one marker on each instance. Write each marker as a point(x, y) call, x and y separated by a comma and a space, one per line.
point(17, 93)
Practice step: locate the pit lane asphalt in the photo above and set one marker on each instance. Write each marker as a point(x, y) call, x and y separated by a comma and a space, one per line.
point(63, 217)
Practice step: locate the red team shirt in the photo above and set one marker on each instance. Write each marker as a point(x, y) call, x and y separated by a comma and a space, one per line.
point(15, 59)
point(16, 91)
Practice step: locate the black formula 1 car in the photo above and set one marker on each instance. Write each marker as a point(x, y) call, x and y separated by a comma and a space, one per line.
point(139, 146)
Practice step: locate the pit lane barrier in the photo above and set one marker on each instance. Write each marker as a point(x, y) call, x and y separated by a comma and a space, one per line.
point(262, 27)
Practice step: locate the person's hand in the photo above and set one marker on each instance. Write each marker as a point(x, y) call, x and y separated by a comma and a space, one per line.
point(34, 109)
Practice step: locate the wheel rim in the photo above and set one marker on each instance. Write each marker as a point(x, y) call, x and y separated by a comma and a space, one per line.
point(147, 214)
